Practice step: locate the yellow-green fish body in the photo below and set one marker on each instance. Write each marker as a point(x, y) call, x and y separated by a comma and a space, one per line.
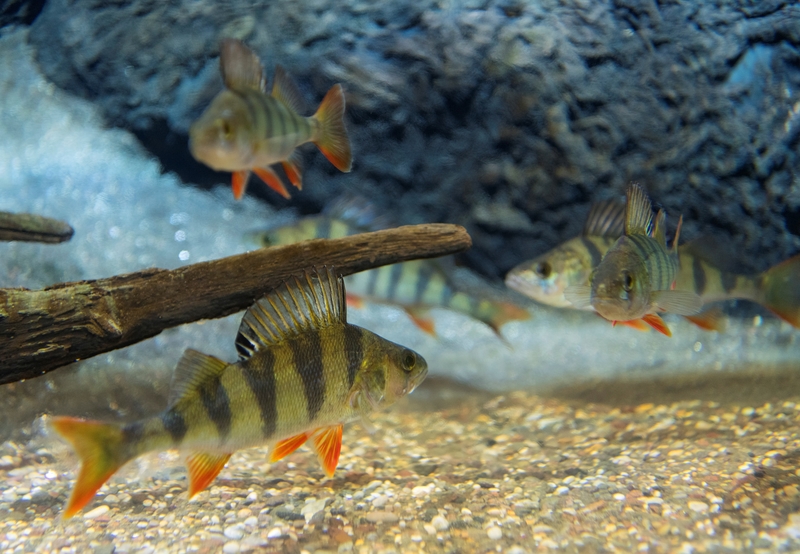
point(303, 372)
point(245, 129)
point(416, 285)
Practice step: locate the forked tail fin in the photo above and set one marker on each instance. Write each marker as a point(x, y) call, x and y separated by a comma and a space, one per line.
point(332, 139)
point(100, 447)
point(780, 290)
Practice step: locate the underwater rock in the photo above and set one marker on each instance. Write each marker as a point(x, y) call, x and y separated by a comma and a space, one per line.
point(538, 105)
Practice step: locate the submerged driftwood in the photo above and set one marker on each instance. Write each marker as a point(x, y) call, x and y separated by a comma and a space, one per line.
point(41, 330)
point(33, 228)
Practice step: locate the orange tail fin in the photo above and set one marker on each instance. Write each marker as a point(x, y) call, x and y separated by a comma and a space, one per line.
point(100, 447)
point(780, 287)
point(332, 138)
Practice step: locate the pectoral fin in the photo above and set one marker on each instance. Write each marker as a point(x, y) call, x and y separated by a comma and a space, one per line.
point(710, 319)
point(579, 296)
point(328, 444)
point(287, 446)
point(679, 302)
point(203, 468)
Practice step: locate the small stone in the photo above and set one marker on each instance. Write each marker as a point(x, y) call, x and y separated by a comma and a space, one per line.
point(380, 501)
point(252, 497)
point(251, 521)
point(312, 508)
point(430, 529)
point(697, 506)
point(231, 547)
point(440, 524)
point(111, 499)
point(234, 532)
point(97, 512)
point(382, 517)
point(274, 533)
point(494, 533)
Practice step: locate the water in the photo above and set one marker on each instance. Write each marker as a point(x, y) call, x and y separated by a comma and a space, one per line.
point(568, 434)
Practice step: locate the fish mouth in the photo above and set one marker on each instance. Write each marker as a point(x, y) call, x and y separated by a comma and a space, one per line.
point(417, 379)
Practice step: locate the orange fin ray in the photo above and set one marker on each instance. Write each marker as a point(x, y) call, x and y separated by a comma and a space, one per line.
point(710, 319)
point(100, 448)
point(287, 446)
point(203, 468)
point(239, 182)
point(328, 444)
point(780, 290)
point(332, 137)
point(272, 180)
point(637, 324)
point(293, 172)
point(354, 301)
point(655, 321)
point(420, 317)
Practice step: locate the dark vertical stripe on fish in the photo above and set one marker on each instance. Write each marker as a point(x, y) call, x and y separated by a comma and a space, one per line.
point(280, 116)
point(593, 251)
point(173, 422)
point(728, 281)
point(133, 433)
point(266, 109)
point(423, 278)
point(354, 348)
point(307, 354)
point(217, 405)
point(698, 275)
point(262, 382)
point(251, 109)
point(395, 271)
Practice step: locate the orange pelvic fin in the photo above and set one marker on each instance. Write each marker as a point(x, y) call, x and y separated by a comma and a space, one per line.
point(203, 468)
point(293, 171)
point(354, 301)
point(100, 448)
point(287, 446)
point(421, 319)
point(655, 321)
point(710, 319)
point(239, 181)
point(506, 311)
point(637, 324)
point(272, 180)
point(328, 444)
point(332, 137)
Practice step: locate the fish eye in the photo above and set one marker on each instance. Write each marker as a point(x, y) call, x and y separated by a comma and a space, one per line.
point(409, 360)
point(543, 269)
point(627, 281)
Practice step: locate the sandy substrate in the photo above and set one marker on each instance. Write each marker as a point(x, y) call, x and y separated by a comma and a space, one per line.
point(512, 473)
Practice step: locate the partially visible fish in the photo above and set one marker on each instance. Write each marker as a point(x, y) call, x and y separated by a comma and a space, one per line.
point(546, 277)
point(302, 373)
point(636, 278)
point(245, 129)
point(416, 286)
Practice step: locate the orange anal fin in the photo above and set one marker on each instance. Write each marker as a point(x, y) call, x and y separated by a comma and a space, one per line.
point(354, 301)
point(203, 468)
point(422, 320)
point(637, 324)
point(239, 181)
point(328, 444)
point(293, 173)
point(287, 446)
point(99, 447)
point(272, 180)
point(710, 319)
point(655, 321)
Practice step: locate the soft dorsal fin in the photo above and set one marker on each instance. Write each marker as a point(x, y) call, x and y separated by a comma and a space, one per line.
point(358, 212)
point(240, 67)
point(605, 219)
point(659, 231)
point(285, 90)
point(313, 300)
point(194, 369)
point(638, 211)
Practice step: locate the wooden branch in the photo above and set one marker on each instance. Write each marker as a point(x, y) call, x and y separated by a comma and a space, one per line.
point(33, 228)
point(45, 329)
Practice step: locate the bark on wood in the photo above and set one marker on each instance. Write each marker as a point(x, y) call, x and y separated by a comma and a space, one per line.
point(33, 228)
point(45, 329)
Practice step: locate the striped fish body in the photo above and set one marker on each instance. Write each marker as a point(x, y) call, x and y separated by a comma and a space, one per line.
point(416, 285)
point(303, 372)
point(711, 283)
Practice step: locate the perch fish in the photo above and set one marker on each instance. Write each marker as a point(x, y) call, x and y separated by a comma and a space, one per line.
point(416, 286)
point(245, 129)
point(545, 278)
point(302, 373)
point(636, 277)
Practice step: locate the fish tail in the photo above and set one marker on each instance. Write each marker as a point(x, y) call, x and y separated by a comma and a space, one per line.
point(332, 137)
point(780, 290)
point(505, 312)
point(101, 448)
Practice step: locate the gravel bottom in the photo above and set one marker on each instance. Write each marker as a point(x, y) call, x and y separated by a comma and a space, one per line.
point(512, 473)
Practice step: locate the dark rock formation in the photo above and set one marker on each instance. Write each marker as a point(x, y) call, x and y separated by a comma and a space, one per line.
point(506, 116)
point(19, 11)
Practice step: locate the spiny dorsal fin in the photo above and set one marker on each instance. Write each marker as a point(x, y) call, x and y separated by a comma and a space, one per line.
point(312, 301)
point(285, 90)
point(659, 232)
point(240, 67)
point(605, 219)
point(638, 211)
point(194, 369)
point(359, 212)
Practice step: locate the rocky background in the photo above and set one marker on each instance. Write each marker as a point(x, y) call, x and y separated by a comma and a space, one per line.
point(506, 116)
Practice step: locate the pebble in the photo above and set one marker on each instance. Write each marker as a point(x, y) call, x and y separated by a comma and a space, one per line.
point(697, 506)
point(97, 512)
point(274, 533)
point(440, 524)
point(494, 533)
point(382, 517)
point(111, 499)
point(234, 532)
point(231, 547)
